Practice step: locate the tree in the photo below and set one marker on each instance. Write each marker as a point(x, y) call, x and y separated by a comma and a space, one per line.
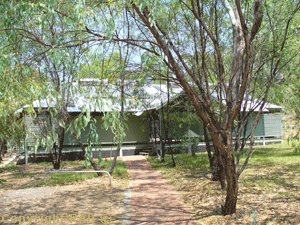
point(16, 89)
point(54, 56)
point(192, 38)
point(285, 90)
point(224, 54)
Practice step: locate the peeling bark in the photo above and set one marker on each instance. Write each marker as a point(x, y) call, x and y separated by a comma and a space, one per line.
point(218, 173)
point(232, 187)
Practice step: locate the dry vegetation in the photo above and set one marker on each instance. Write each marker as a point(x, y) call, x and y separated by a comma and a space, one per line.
point(268, 190)
point(24, 193)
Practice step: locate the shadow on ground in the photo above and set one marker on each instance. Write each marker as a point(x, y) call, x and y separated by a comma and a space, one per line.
point(89, 202)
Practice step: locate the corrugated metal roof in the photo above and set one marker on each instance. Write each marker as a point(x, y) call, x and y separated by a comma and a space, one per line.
point(253, 104)
point(102, 96)
point(105, 98)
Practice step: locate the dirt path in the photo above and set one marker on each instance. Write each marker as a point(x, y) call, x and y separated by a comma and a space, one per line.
point(153, 200)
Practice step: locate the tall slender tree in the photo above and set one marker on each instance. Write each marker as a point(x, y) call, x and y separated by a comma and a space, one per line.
point(223, 43)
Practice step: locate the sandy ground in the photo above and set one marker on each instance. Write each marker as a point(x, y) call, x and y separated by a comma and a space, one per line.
point(90, 201)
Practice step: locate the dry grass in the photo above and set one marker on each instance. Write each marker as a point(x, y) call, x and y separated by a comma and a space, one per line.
point(269, 188)
point(91, 196)
point(32, 175)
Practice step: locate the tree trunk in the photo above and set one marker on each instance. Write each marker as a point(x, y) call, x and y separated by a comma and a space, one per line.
point(193, 152)
point(163, 150)
point(218, 173)
point(3, 146)
point(161, 139)
point(120, 134)
point(208, 149)
point(56, 157)
point(94, 165)
point(113, 165)
point(153, 136)
point(172, 154)
point(56, 164)
point(232, 186)
point(61, 143)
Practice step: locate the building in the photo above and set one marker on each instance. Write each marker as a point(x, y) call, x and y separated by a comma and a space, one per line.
point(143, 106)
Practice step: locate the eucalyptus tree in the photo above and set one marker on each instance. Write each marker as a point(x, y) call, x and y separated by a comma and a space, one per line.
point(16, 89)
point(52, 32)
point(39, 37)
point(225, 49)
point(60, 72)
point(285, 90)
point(288, 95)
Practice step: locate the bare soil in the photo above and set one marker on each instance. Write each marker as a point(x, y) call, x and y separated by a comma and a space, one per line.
point(90, 201)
